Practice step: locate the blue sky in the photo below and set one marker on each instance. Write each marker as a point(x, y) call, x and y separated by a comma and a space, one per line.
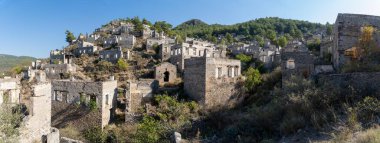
point(34, 27)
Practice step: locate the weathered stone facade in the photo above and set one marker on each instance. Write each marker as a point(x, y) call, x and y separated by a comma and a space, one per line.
point(164, 52)
point(211, 81)
point(112, 55)
point(165, 73)
point(150, 42)
point(346, 35)
point(297, 63)
point(65, 94)
point(60, 57)
point(85, 48)
point(37, 125)
point(138, 93)
point(193, 48)
point(9, 90)
point(58, 71)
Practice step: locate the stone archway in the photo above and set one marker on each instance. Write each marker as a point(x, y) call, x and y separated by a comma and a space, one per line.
point(166, 76)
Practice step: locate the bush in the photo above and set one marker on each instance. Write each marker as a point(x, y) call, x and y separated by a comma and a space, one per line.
point(10, 122)
point(148, 131)
point(95, 135)
point(368, 109)
point(253, 78)
point(92, 104)
point(122, 65)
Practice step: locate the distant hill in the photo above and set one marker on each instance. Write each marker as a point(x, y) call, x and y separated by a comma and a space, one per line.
point(191, 23)
point(7, 62)
point(262, 27)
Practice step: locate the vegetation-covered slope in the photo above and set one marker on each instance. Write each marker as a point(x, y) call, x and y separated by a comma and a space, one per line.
point(8, 61)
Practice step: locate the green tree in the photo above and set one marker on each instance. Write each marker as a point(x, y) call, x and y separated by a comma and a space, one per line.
point(329, 28)
point(282, 41)
point(69, 36)
point(229, 38)
point(146, 22)
point(260, 40)
point(271, 35)
point(244, 58)
point(253, 78)
point(299, 34)
point(122, 65)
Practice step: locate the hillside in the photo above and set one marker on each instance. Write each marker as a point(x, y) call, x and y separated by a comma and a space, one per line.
point(254, 29)
point(9, 61)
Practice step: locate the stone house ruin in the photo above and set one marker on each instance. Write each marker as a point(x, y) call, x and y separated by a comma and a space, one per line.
point(346, 35)
point(297, 63)
point(241, 48)
point(59, 71)
point(139, 93)
point(164, 52)
point(112, 55)
point(150, 42)
point(211, 81)
point(92, 38)
point(9, 90)
point(180, 52)
point(37, 125)
point(125, 41)
point(85, 48)
point(60, 57)
point(165, 73)
point(65, 94)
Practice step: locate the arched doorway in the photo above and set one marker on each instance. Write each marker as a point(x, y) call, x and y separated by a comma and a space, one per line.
point(166, 76)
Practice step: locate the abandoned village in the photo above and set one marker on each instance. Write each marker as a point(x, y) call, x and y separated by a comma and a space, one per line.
point(78, 86)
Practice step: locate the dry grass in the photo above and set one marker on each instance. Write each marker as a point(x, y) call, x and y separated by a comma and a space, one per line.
point(368, 136)
point(71, 132)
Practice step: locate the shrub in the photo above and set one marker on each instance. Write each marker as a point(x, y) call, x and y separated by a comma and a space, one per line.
point(253, 78)
point(95, 135)
point(92, 104)
point(122, 65)
point(10, 121)
point(369, 109)
point(148, 131)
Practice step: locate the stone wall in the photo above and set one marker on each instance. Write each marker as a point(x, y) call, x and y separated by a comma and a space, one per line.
point(297, 63)
point(165, 73)
point(69, 94)
point(9, 90)
point(194, 79)
point(164, 52)
point(57, 71)
point(138, 93)
point(361, 83)
point(211, 81)
point(112, 55)
point(38, 122)
point(85, 50)
point(346, 34)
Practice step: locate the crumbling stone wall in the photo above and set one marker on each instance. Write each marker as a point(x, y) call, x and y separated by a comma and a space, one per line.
point(211, 81)
point(69, 94)
point(165, 73)
point(302, 64)
point(112, 55)
point(164, 52)
point(9, 91)
point(38, 123)
point(359, 83)
point(346, 34)
point(138, 93)
point(57, 71)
